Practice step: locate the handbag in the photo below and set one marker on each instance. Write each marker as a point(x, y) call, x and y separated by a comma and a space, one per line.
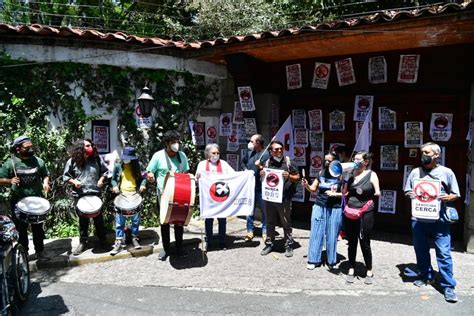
point(356, 213)
point(450, 215)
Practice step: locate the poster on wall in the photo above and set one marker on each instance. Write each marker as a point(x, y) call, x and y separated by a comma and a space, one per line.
point(250, 126)
point(316, 140)
point(316, 160)
point(241, 134)
point(387, 119)
point(413, 134)
point(300, 156)
point(197, 132)
point(321, 75)
point(142, 122)
point(233, 161)
point(315, 120)
point(299, 194)
point(299, 118)
point(101, 135)
point(211, 131)
point(406, 172)
point(387, 201)
point(345, 72)
point(377, 70)
point(225, 124)
point(246, 98)
point(441, 126)
point(233, 140)
point(363, 104)
point(359, 126)
point(408, 68)
point(301, 137)
point(238, 117)
point(389, 157)
point(337, 121)
point(293, 76)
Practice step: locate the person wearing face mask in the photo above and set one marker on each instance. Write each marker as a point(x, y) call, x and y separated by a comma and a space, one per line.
point(425, 229)
point(212, 164)
point(280, 211)
point(249, 160)
point(362, 187)
point(28, 176)
point(326, 216)
point(86, 172)
point(169, 158)
point(127, 177)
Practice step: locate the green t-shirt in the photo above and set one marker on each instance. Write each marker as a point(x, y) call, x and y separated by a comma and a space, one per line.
point(31, 172)
point(159, 167)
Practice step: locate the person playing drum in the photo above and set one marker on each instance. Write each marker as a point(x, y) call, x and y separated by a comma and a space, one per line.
point(28, 176)
point(87, 173)
point(213, 163)
point(127, 179)
point(168, 159)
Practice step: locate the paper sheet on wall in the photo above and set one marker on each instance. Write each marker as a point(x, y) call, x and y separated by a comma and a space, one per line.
point(293, 77)
point(317, 159)
point(233, 140)
point(413, 133)
point(316, 141)
point(225, 124)
point(377, 70)
point(238, 117)
point(321, 75)
point(408, 68)
point(441, 126)
point(233, 161)
point(250, 126)
point(389, 157)
point(301, 137)
point(345, 72)
point(299, 118)
point(300, 156)
point(315, 120)
point(337, 121)
point(363, 105)
point(387, 119)
point(246, 98)
point(387, 201)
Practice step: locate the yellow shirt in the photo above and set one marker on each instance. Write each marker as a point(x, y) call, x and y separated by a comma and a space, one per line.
point(128, 184)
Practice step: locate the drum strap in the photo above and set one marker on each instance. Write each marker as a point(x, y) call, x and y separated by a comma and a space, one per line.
point(168, 161)
point(219, 166)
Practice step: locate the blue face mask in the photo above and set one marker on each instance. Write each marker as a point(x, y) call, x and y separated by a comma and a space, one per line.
point(357, 164)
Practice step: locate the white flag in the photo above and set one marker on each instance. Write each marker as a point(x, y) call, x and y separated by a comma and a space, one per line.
point(285, 135)
point(363, 141)
point(224, 195)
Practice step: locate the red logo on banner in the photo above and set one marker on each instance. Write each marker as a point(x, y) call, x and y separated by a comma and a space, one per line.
point(219, 191)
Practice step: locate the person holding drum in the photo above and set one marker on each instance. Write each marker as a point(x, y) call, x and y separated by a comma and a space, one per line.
point(87, 173)
point(213, 163)
point(28, 177)
point(127, 179)
point(168, 159)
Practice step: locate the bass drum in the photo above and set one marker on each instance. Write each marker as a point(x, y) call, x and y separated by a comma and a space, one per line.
point(89, 206)
point(177, 198)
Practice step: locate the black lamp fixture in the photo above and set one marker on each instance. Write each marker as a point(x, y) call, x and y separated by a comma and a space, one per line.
point(145, 102)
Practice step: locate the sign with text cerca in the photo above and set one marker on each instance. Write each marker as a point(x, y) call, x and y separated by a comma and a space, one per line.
point(426, 204)
point(272, 185)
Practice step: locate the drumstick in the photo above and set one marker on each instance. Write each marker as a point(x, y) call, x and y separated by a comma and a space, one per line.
point(303, 173)
point(12, 156)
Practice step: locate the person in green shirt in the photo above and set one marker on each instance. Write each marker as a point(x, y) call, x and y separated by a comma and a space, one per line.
point(28, 176)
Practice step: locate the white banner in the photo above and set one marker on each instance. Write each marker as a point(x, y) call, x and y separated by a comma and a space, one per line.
point(272, 185)
point(224, 195)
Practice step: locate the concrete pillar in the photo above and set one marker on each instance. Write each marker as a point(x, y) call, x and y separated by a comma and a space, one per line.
point(469, 213)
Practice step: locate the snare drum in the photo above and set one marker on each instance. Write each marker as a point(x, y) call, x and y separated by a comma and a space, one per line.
point(177, 198)
point(89, 206)
point(33, 209)
point(128, 203)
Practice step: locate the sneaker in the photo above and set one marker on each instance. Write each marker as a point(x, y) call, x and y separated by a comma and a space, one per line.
point(331, 267)
point(79, 249)
point(117, 248)
point(249, 237)
point(162, 255)
point(422, 282)
point(369, 279)
point(450, 295)
point(312, 266)
point(135, 243)
point(268, 248)
point(41, 256)
point(288, 252)
point(350, 278)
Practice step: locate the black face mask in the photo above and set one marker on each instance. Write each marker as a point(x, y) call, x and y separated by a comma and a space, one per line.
point(326, 163)
point(426, 160)
point(28, 153)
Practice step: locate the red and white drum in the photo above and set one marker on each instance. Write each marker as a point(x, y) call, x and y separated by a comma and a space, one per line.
point(128, 203)
point(177, 198)
point(89, 206)
point(33, 209)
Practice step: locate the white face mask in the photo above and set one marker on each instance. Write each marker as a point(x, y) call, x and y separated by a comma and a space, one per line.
point(127, 161)
point(278, 158)
point(175, 147)
point(250, 146)
point(215, 158)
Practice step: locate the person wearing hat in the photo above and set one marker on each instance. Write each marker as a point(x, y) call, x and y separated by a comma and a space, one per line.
point(127, 177)
point(28, 176)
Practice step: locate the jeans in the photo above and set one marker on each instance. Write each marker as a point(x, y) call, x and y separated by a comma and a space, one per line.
point(251, 218)
point(325, 221)
point(120, 221)
point(209, 229)
point(422, 231)
point(22, 227)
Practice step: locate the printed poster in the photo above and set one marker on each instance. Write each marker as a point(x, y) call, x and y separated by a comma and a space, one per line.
point(225, 124)
point(387, 201)
point(101, 137)
point(377, 70)
point(316, 141)
point(363, 104)
point(426, 204)
point(301, 137)
point(413, 134)
point(406, 172)
point(408, 68)
point(142, 122)
point(241, 134)
point(389, 157)
point(250, 127)
point(387, 119)
point(299, 194)
point(233, 161)
point(300, 157)
point(197, 133)
point(317, 161)
point(315, 120)
point(299, 118)
point(345, 72)
point(441, 126)
point(337, 121)
point(211, 132)
point(293, 76)
point(246, 98)
point(233, 140)
point(321, 75)
point(238, 117)
point(272, 185)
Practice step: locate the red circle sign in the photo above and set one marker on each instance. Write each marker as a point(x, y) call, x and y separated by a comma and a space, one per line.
point(426, 192)
point(272, 180)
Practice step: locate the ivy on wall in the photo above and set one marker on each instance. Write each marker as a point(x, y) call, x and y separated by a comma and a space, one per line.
point(30, 95)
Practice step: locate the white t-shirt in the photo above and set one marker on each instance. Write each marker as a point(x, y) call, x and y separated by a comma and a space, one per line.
point(226, 168)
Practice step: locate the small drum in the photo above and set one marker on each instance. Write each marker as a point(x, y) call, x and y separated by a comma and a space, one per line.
point(177, 198)
point(89, 206)
point(128, 203)
point(33, 209)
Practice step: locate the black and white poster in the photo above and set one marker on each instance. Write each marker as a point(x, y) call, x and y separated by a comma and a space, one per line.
point(299, 118)
point(377, 70)
point(387, 119)
point(413, 134)
point(387, 201)
point(337, 121)
point(316, 140)
point(389, 157)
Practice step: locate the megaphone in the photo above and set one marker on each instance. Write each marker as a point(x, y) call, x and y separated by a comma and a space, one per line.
point(336, 168)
